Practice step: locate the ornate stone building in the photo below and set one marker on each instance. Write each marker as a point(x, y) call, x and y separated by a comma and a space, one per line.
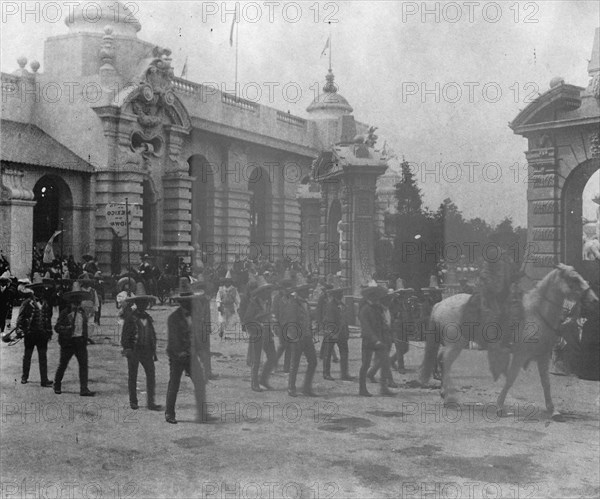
point(562, 128)
point(212, 175)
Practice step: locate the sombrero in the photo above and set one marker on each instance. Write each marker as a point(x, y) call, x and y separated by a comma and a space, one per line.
point(286, 281)
point(185, 291)
point(39, 283)
point(227, 279)
point(76, 294)
point(122, 282)
point(87, 258)
point(262, 286)
point(140, 295)
point(391, 293)
point(199, 283)
point(301, 283)
point(373, 291)
point(5, 277)
point(85, 280)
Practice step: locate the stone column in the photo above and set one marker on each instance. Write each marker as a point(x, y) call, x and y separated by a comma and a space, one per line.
point(16, 221)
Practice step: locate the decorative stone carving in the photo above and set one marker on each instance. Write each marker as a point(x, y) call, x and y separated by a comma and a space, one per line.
point(595, 145)
point(543, 180)
point(107, 52)
point(544, 207)
point(544, 234)
point(12, 187)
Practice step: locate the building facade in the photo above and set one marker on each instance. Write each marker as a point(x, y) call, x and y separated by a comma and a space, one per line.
point(562, 128)
point(208, 175)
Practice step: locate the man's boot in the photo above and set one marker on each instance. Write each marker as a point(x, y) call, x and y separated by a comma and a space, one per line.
point(344, 367)
point(362, 382)
point(308, 379)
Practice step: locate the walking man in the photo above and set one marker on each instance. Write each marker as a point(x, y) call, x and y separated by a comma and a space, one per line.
point(297, 329)
point(34, 323)
point(184, 348)
point(139, 346)
point(373, 330)
point(258, 321)
point(335, 329)
point(72, 330)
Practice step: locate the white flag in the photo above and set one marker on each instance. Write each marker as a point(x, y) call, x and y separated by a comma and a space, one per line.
point(48, 251)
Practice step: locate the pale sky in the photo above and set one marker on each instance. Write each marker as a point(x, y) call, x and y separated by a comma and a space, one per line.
point(384, 55)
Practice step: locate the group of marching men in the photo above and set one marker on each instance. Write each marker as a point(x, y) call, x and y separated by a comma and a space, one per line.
point(267, 310)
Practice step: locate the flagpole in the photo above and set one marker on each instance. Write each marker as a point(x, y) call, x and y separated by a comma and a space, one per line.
point(127, 224)
point(237, 38)
point(62, 240)
point(330, 47)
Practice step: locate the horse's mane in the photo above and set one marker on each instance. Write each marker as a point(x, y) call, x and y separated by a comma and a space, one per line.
point(534, 296)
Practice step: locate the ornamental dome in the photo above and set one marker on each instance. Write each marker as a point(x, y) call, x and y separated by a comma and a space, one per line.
point(329, 104)
point(92, 17)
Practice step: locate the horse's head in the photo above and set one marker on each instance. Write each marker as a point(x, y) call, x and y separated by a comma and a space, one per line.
point(574, 287)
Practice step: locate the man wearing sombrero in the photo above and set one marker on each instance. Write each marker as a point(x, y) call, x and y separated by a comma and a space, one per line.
point(34, 324)
point(373, 331)
point(297, 329)
point(335, 331)
point(186, 332)
point(228, 302)
point(72, 329)
point(139, 346)
point(258, 322)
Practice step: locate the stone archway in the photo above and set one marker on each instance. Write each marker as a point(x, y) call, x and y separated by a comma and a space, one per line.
point(572, 214)
point(203, 206)
point(53, 211)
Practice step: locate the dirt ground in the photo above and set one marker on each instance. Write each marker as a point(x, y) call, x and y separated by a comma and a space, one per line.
point(268, 445)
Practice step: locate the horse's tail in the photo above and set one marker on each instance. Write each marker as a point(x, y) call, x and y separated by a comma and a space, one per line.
point(432, 346)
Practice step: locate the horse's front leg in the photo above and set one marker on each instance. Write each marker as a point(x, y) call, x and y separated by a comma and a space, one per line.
point(450, 354)
point(543, 364)
point(513, 371)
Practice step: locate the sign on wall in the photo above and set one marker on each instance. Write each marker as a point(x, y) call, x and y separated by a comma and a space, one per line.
point(117, 216)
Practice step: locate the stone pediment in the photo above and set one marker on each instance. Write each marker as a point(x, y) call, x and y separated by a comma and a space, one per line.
point(561, 98)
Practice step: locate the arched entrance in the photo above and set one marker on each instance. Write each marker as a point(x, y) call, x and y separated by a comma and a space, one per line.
point(577, 205)
point(332, 248)
point(260, 200)
point(52, 212)
point(203, 196)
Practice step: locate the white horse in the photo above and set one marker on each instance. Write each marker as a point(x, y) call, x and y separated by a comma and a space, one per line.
point(535, 335)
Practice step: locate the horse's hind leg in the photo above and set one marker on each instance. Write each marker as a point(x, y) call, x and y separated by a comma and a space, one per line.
point(450, 354)
point(543, 364)
point(513, 371)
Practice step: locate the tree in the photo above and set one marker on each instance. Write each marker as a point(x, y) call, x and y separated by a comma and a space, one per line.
point(408, 194)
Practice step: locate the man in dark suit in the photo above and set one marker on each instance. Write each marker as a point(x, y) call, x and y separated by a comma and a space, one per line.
point(34, 323)
point(297, 328)
point(258, 322)
point(373, 332)
point(8, 292)
point(138, 340)
point(72, 329)
point(186, 328)
point(335, 331)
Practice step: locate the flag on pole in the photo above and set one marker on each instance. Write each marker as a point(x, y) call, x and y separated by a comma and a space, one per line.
point(327, 44)
point(48, 251)
point(184, 70)
point(231, 33)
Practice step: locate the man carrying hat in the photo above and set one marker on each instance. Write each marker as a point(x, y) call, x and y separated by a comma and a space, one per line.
point(335, 331)
point(387, 339)
point(297, 329)
point(187, 326)
point(373, 331)
point(258, 321)
point(281, 297)
point(228, 302)
point(34, 323)
point(72, 329)
point(139, 346)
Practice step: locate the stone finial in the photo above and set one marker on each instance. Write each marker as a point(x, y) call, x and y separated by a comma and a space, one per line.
point(330, 87)
point(107, 52)
point(35, 66)
point(21, 61)
point(556, 81)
